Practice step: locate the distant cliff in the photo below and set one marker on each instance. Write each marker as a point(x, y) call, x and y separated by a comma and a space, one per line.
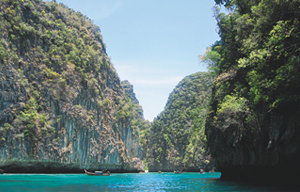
point(176, 138)
point(253, 127)
point(62, 107)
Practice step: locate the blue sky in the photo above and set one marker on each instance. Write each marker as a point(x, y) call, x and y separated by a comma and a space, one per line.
point(152, 43)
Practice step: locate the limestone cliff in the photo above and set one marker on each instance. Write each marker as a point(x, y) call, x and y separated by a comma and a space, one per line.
point(176, 136)
point(62, 107)
point(139, 121)
point(253, 128)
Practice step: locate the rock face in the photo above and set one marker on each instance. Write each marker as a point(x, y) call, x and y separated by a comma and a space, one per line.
point(253, 128)
point(62, 107)
point(139, 123)
point(176, 137)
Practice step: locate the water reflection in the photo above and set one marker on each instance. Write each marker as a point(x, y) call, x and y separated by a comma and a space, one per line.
point(123, 182)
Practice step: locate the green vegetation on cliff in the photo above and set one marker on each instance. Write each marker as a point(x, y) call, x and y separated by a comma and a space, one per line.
point(253, 118)
point(176, 138)
point(60, 97)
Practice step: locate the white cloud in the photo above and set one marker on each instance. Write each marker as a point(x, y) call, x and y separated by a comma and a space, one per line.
point(144, 75)
point(95, 9)
point(107, 8)
point(170, 80)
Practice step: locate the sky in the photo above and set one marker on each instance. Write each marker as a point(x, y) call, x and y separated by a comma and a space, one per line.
point(153, 44)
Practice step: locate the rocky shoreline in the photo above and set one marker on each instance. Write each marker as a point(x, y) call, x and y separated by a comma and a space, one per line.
point(48, 167)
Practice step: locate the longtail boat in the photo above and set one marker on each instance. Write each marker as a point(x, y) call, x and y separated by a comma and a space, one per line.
point(177, 172)
point(97, 173)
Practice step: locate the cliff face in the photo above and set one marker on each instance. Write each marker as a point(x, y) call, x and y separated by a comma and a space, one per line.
point(253, 128)
point(62, 107)
point(139, 121)
point(176, 137)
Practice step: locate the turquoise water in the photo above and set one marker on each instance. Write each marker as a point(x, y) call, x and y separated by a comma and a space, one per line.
point(121, 182)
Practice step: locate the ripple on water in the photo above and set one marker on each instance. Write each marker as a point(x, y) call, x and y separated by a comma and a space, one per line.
point(122, 182)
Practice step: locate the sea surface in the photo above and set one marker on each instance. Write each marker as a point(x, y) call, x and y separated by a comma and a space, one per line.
point(122, 182)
